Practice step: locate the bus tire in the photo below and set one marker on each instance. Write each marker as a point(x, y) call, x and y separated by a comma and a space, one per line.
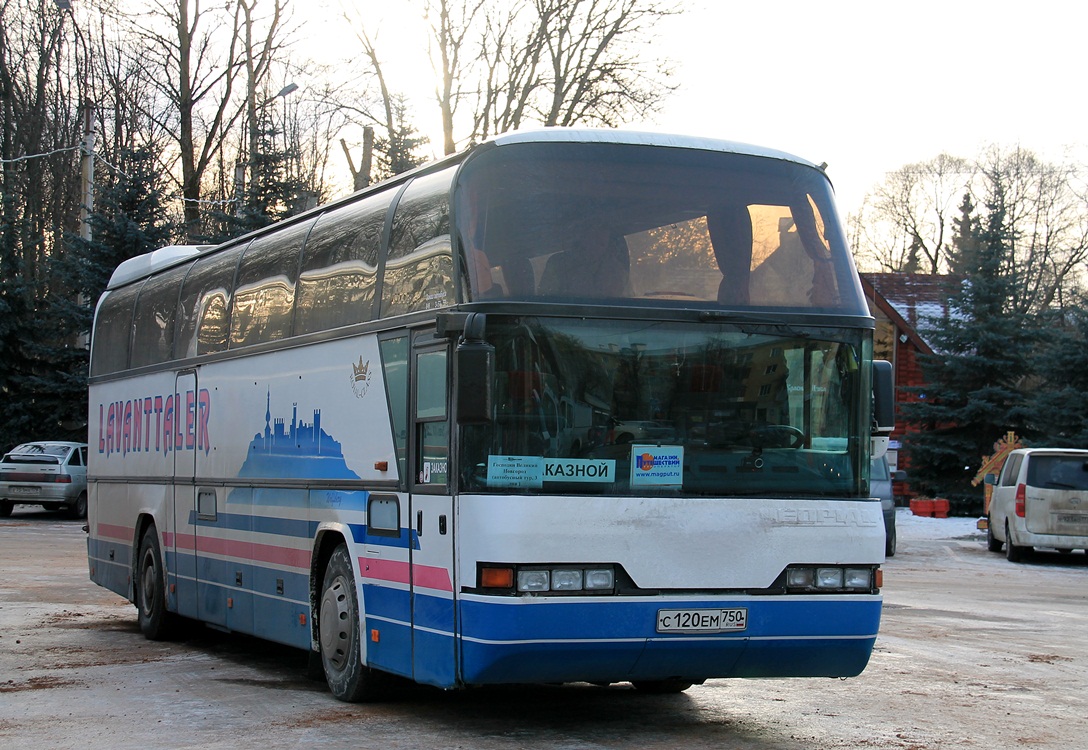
point(339, 632)
point(662, 687)
point(156, 623)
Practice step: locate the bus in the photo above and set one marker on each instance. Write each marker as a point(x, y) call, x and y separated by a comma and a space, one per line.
point(573, 405)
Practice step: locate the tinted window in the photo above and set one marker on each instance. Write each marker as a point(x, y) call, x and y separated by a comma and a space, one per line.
point(671, 226)
point(419, 269)
point(264, 296)
point(336, 286)
point(204, 310)
point(113, 331)
point(395, 367)
point(1058, 472)
point(1012, 469)
point(153, 337)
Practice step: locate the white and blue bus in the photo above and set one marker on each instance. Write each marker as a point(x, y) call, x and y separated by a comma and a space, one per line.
point(571, 406)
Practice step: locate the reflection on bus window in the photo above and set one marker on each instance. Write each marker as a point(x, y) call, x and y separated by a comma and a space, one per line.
point(741, 412)
point(204, 311)
point(339, 267)
point(111, 342)
point(419, 269)
point(395, 369)
point(581, 222)
point(153, 325)
point(264, 298)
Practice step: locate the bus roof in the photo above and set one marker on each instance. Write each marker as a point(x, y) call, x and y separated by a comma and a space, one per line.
point(145, 265)
point(640, 138)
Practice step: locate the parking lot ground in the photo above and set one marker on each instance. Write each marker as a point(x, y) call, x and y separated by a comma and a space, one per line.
point(974, 652)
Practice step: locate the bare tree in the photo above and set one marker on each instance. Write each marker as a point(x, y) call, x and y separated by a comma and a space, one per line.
point(200, 58)
point(904, 224)
point(1048, 220)
point(451, 23)
point(41, 118)
point(552, 62)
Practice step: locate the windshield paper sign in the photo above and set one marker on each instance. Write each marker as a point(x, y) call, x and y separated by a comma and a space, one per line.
point(533, 471)
point(657, 466)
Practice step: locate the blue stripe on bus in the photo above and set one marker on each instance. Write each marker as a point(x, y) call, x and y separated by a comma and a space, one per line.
point(390, 603)
point(291, 527)
point(405, 539)
point(615, 641)
point(255, 578)
point(280, 620)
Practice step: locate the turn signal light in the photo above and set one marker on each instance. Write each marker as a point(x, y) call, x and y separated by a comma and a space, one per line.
point(497, 578)
point(1021, 499)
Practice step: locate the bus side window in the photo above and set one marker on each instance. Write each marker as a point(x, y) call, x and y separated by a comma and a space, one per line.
point(153, 324)
point(203, 312)
point(395, 368)
point(419, 269)
point(113, 328)
point(264, 298)
point(339, 266)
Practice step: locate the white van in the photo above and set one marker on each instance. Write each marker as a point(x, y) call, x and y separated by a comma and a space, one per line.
point(1040, 499)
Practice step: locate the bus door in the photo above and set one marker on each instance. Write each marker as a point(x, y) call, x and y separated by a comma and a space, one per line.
point(431, 517)
point(182, 576)
point(196, 509)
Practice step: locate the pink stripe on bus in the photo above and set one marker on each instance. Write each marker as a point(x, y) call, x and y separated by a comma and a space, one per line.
point(426, 576)
point(110, 531)
point(265, 553)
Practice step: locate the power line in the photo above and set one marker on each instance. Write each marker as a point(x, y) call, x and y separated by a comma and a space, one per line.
point(28, 157)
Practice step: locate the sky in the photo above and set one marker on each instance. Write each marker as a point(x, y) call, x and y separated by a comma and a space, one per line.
point(867, 87)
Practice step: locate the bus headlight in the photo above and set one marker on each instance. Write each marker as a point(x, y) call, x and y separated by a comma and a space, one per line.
point(566, 580)
point(829, 579)
point(598, 579)
point(572, 579)
point(533, 580)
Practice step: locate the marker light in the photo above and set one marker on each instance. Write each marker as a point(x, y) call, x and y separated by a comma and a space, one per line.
point(497, 578)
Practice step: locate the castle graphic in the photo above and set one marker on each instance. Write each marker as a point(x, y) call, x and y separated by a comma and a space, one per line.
point(296, 451)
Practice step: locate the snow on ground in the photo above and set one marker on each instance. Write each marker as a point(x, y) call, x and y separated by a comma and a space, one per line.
point(910, 526)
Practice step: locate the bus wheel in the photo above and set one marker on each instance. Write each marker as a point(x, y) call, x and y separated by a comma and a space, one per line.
point(661, 687)
point(339, 630)
point(155, 622)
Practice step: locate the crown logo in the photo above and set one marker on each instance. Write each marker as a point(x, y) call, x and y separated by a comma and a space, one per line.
point(360, 370)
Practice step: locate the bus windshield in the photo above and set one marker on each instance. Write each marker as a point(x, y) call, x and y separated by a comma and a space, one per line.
point(636, 407)
point(652, 226)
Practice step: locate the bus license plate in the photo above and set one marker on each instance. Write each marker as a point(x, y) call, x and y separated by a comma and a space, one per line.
point(701, 620)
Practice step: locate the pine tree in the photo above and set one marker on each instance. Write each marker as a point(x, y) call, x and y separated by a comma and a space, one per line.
point(983, 354)
point(16, 399)
point(131, 217)
point(1059, 402)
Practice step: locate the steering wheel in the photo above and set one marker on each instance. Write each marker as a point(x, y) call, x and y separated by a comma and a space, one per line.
point(777, 436)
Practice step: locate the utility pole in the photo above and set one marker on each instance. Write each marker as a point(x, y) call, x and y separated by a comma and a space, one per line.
point(86, 203)
point(86, 151)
